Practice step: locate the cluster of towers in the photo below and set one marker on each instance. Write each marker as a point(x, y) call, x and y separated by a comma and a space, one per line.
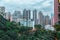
point(27, 17)
point(31, 16)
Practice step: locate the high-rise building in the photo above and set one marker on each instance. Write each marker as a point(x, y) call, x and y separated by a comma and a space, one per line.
point(47, 20)
point(26, 14)
point(16, 16)
point(52, 20)
point(41, 18)
point(2, 11)
point(35, 16)
point(56, 11)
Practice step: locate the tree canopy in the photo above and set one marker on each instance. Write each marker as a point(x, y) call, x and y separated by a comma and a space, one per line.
point(12, 31)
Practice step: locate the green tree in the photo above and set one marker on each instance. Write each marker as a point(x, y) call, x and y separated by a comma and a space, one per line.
point(38, 27)
point(57, 27)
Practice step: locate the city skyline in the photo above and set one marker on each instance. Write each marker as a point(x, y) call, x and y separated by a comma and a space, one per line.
point(25, 18)
point(47, 7)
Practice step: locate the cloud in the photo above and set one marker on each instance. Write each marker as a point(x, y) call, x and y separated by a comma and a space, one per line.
point(43, 5)
point(21, 1)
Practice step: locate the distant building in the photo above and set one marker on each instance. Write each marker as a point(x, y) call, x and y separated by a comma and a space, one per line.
point(49, 27)
point(2, 11)
point(47, 20)
point(35, 16)
point(56, 11)
point(8, 16)
point(16, 16)
point(36, 22)
point(26, 14)
point(41, 18)
point(29, 23)
point(52, 21)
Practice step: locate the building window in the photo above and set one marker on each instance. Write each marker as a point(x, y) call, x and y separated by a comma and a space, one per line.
point(59, 16)
point(59, 2)
point(58, 8)
point(58, 22)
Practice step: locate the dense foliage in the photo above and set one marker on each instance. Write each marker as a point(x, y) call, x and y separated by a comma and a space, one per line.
point(57, 27)
point(12, 31)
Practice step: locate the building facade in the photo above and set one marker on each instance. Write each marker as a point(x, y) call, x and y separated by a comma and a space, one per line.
point(52, 21)
point(16, 16)
point(8, 16)
point(56, 11)
point(2, 11)
point(47, 20)
point(24, 23)
point(41, 18)
point(26, 14)
point(35, 16)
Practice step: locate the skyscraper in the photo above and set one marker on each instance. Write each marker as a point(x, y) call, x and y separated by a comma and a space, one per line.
point(47, 20)
point(26, 14)
point(35, 16)
point(56, 11)
point(41, 18)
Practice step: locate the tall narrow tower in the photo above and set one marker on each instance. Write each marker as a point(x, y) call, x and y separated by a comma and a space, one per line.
point(35, 16)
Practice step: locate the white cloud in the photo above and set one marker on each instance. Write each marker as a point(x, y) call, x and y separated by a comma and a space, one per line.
point(21, 1)
point(21, 4)
point(47, 3)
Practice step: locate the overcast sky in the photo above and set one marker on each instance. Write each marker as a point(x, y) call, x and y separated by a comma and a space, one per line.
point(46, 6)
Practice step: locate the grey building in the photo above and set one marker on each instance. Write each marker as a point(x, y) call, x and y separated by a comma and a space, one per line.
point(47, 20)
point(41, 18)
point(35, 16)
point(16, 16)
point(26, 14)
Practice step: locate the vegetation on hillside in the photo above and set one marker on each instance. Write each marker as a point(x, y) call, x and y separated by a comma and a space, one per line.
point(13, 31)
